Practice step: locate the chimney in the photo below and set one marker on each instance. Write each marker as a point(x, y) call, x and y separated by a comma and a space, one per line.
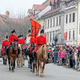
point(7, 13)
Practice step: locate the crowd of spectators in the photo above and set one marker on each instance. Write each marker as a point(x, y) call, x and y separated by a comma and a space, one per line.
point(66, 55)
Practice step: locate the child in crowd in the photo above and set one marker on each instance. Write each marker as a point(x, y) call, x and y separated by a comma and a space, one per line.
point(62, 55)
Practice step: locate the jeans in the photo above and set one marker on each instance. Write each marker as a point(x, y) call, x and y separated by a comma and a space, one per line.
point(73, 61)
point(55, 59)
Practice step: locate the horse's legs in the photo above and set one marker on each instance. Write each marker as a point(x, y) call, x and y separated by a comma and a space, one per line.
point(33, 67)
point(36, 66)
point(43, 67)
point(9, 63)
point(14, 64)
point(22, 61)
point(40, 68)
point(31, 64)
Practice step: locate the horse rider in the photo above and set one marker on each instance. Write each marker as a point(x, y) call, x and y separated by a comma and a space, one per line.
point(5, 44)
point(40, 40)
point(28, 38)
point(21, 41)
point(13, 37)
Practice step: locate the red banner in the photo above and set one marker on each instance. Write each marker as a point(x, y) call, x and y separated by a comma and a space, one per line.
point(34, 30)
point(65, 36)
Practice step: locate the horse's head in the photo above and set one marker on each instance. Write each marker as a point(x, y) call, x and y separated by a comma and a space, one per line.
point(44, 51)
point(15, 45)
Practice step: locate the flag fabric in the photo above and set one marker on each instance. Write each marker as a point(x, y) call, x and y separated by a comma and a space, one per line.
point(34, 30)
point(65, 36)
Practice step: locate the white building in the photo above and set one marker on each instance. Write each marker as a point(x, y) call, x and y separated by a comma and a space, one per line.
point(70, 23)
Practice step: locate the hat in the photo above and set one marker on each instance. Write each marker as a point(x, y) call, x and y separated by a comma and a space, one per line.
point(6, 36)
point(19, 36)
point(13, 31)
point(42, 31)
point(29, 31)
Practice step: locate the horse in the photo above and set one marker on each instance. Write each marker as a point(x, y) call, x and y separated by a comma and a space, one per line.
point(41, 57)
point(20, 59)
point(30, 53)
point(13, 53)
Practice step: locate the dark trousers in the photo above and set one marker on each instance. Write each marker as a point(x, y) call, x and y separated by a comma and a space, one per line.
point(55, 59)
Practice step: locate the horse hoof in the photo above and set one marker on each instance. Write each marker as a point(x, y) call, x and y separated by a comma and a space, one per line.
point(31, 70)
point(37, 74)
point(12, 70)
point(41, 75)
point(9, 69)
point(18, 66)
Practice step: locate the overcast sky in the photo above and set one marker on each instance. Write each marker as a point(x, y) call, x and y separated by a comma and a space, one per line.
point(16, 7)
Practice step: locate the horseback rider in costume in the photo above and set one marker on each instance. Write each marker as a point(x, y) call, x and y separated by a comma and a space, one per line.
point(13, 37)
point(5, 45)
point(40, 40)
point(28, 38)
point(29, 45)
point(21, 43)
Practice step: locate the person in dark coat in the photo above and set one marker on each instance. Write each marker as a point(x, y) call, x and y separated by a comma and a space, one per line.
point(56, 54)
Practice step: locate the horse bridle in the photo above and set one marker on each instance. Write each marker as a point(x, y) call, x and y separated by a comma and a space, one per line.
point(14, 47)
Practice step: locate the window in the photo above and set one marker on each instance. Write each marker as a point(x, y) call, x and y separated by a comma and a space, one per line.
point(34, 12)
point(69, 35)
point(59, 20)
point(73, 34)
point(56, 21)
point(48, 23)
point(53, 35)
point(66, 19)
point(50, 36)
point(73, 17)
point(69, 18)
point(45, 24)
point(47, 37)
point(53, 22)
point(79, 28)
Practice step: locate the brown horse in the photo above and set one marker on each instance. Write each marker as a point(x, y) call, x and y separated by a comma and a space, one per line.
point(13, 53)
point(41, 57)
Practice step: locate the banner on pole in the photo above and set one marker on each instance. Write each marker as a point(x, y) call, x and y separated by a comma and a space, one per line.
point(35, 28)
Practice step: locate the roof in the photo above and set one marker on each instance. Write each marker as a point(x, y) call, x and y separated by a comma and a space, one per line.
point(72, 3)
point(16, 20)
point(51, 11)
point(32, 16)
point(40, 7)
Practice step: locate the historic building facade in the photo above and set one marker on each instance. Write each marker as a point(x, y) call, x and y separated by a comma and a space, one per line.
point(70, 23)
point(78, 39)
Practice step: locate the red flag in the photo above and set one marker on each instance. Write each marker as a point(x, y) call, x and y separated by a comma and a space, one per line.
point(34, 30)
point(65, 36)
